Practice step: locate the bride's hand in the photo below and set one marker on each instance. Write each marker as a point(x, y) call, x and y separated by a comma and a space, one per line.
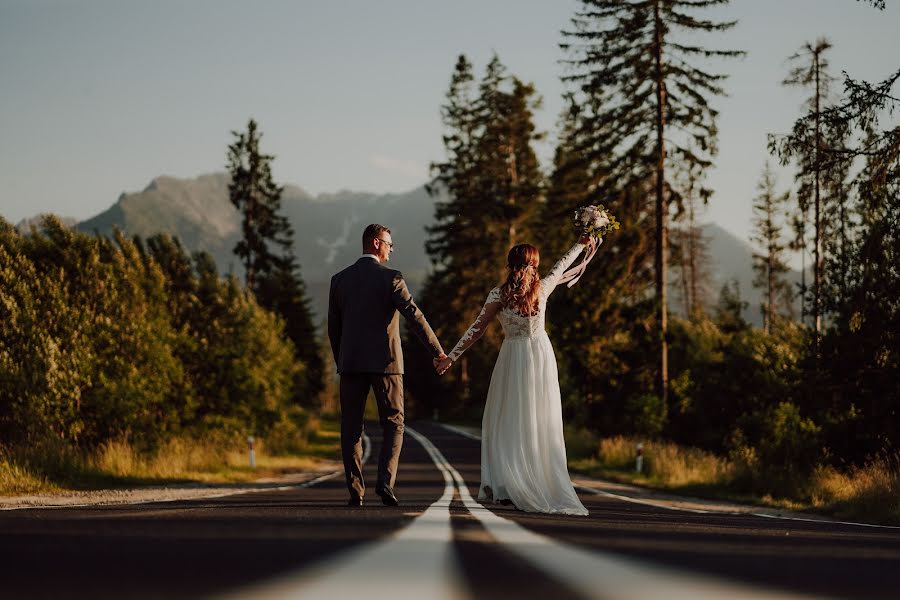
point(442, 365)
point(587, 240)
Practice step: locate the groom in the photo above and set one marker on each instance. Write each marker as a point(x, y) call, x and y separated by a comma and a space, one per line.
point(363, 327)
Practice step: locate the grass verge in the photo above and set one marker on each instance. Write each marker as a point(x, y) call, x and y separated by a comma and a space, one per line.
point(868, 493)
point(208, 459)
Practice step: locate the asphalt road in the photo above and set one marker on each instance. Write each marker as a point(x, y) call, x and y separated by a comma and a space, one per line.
point(306, 542)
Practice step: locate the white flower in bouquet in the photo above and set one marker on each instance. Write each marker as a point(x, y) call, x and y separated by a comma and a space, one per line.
point(600, 220)
point(585, 218)
point(594, 221)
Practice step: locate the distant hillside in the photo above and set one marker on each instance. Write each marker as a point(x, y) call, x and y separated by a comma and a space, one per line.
point(327, 230)
point(197, 211)
point(732, 259)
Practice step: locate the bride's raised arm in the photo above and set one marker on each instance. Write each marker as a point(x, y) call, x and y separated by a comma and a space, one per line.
point(490, 309)
point(551, 280)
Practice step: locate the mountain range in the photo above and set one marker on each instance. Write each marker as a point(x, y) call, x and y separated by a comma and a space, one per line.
point(327, 228)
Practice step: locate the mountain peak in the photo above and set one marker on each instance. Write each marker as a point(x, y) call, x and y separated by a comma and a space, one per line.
point(170, 182)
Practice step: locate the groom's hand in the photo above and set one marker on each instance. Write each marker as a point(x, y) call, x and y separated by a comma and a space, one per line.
point(438, 359)
point(442, 364)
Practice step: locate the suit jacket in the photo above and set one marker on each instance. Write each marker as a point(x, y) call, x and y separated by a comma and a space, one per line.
point(363, 325)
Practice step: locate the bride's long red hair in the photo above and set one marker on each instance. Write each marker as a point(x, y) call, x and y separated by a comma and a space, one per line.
point(521, 291)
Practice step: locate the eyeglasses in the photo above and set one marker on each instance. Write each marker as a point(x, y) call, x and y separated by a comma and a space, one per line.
point(391, 244)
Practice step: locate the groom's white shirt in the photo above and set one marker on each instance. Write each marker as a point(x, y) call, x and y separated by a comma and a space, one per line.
point(371, 256)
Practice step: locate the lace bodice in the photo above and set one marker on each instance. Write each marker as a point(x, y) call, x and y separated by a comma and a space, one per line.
point(515, 325)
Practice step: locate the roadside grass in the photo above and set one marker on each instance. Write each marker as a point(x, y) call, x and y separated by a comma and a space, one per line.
point(16, 479)
point(208, 459)
point(869, 493)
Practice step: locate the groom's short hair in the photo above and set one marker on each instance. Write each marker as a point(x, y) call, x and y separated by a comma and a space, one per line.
point(373, 231)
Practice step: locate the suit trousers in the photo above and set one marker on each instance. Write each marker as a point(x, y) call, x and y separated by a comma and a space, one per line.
point(388, 390)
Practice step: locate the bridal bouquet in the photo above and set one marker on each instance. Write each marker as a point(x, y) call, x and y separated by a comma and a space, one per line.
point(596, 222)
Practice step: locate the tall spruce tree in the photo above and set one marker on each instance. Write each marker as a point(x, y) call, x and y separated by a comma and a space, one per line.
point(769, 265)
point(258, 199)
point(492, 184)
point(599, 326)
point(810, 71)
point(636, 65)
point(266, 250)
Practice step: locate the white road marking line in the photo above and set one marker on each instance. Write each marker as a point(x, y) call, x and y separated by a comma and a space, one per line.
point(415, 562)
point(589, 490)
point(593, 573)
point(367, 450)
point(462, 432)
point(823, 521)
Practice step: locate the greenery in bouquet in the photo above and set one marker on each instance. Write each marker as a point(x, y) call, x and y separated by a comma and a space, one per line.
point(595, 221)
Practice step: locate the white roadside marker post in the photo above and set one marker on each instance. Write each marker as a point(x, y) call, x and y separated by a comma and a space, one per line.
point(639, 458)
point(250, 441)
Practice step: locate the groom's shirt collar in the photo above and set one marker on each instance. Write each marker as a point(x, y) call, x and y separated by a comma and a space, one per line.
point(371, 256)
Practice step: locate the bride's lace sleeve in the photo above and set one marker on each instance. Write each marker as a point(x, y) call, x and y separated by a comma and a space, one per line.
point(491, 307)
point(552, 278)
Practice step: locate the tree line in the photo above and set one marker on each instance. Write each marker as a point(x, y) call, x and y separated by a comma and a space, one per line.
point(130, 339)
point(638, 134)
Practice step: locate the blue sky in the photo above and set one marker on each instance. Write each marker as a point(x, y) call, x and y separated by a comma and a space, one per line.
point(99, 97)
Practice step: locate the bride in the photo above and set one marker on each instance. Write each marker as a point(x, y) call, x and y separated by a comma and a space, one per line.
point(523, 454)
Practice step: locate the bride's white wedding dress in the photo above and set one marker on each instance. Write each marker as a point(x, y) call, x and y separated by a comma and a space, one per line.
point(523, 453)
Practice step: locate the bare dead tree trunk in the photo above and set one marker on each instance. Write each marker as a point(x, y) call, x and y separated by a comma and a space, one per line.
point(817, 274)
point(513, 186)
point(661, 213)
point(692, 254)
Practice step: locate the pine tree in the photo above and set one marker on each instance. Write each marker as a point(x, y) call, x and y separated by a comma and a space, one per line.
point(457, 243)
point(861, 350)
point(599, 326)
point(799, 224)
point(810, 71)
point(492, 184)
point(769, 265)
point(730, 308)
point(837, 221)
point(266, 249)
point(258, 199)
point(649, 105)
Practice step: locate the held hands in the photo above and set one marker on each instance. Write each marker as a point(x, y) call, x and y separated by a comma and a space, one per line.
point(441, 364)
